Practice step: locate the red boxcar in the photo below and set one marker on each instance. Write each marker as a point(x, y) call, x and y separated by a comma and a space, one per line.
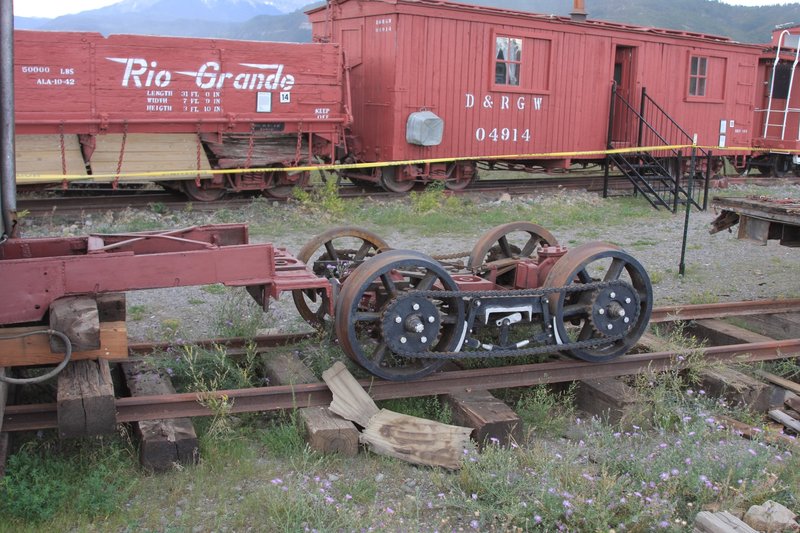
point(252, 103)
point(512, 83)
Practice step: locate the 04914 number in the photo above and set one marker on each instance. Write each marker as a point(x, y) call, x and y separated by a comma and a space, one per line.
point(503, 135)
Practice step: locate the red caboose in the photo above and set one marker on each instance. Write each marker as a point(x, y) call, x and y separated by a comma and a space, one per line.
point(134, 104)
point(433, 79)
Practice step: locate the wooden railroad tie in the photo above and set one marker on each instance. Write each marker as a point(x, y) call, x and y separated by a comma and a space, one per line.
point(489, 417)
point(325, 432)
point(162, 443)
point(85, 399)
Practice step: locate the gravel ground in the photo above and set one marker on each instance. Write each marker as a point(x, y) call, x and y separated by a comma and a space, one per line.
point(719, 267)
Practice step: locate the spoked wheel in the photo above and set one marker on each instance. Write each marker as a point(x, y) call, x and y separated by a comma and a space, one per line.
point(377, 315)
point(203, 192)
point(281, 184)
point(391, 182)
point(621, 308)
point(502, 244)
point(333, 255)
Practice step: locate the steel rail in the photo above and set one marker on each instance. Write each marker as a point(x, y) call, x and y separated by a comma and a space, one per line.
point(723, 310)
point(44, 416)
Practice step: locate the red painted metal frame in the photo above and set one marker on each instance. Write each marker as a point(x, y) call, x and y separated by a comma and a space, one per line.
point(35, 272)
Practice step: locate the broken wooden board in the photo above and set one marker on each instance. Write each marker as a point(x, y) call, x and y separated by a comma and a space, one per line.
point(750, 432)
point(86, 404)
point(162, 443)
point(325, 432)
point(781, 382)
point(490, 418)
point(35, 349)
point(721, 522)
point(412, 439)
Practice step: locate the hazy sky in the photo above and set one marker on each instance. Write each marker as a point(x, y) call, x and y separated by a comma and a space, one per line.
point(55, 8)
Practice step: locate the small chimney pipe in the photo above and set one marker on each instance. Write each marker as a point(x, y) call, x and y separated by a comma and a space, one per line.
point(578, 13)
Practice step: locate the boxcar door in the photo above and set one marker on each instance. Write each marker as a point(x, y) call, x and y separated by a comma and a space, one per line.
point(622, 131)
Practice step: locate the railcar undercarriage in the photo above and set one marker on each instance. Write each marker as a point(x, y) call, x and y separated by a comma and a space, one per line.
point(402, 314)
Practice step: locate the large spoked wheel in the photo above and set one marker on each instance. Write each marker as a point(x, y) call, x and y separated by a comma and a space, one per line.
point(502, 244)
point(377, 316)
point(333, 255)
point(390, 180)
point(620, 308)
point(780, 165)
point(203, 192)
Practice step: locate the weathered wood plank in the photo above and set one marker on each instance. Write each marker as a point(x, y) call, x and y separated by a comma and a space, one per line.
point(350, 401)
point(737, 388)
point(146, 153)
point(778, 326)
point(721, 522)
point(779, 416)
point(608, 398)
point(325, 432)
point(489, 417)
point(85, 399)
point(35, 350)
point(162, 443)
point(720, 333)
point(417, 440)
point(781, 382)
point(78, 319)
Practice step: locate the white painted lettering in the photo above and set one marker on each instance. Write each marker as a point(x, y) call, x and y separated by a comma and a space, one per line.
point(487, 102)
point(470, 101)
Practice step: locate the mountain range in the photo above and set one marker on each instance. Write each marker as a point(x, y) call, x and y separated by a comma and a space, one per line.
point(285, 20)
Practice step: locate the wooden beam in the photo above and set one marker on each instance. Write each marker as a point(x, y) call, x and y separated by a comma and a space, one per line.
point(488, 417)
point(35, 350)
point(162, 443)
point(737, 388)
point(779, 416)
point(720, 333)
point(608, 398)
point(111, 307)
point(781, 382)
point(721, 522)
point(86, 399)
point(77, 318)
point(325, 432)
point(778, 326)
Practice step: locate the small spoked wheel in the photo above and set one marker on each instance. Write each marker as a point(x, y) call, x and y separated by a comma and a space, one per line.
point(500, 245)
point(620, 307)
point(379, 317)
point(390, 180)
point(333, 255)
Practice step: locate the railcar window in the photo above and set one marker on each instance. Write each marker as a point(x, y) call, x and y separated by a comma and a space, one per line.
point(508, 58)
point(697, 76)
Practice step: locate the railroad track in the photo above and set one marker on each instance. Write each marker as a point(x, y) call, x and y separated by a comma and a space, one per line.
point(101, 199)
point(132, 409)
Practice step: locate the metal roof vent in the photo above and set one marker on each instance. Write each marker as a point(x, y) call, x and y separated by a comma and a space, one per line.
point(578, 13)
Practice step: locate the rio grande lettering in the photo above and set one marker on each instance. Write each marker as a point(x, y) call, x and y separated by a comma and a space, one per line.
point(263, 77)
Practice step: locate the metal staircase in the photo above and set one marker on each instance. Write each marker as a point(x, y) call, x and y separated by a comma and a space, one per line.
point(656, 173)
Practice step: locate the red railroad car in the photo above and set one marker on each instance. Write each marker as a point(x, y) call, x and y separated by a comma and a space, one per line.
point(214, 103)
point(507, 83)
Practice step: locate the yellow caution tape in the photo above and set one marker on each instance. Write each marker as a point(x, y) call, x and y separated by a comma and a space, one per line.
point(27, 179)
